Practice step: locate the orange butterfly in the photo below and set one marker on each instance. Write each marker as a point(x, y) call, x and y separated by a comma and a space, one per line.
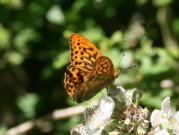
point(89, 70)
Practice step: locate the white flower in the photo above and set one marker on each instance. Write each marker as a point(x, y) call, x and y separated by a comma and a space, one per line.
point(97, 121)
point(166, 119)
point(96, 118)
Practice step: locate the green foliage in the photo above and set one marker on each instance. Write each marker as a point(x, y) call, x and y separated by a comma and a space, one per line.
point(161, 2)
point(34, 52)
point(27, 104)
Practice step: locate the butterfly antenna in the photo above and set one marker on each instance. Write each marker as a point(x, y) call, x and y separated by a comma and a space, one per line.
point(128, 68)
point(121, 60)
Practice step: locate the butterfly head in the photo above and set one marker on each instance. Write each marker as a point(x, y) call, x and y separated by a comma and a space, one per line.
point(116, 72)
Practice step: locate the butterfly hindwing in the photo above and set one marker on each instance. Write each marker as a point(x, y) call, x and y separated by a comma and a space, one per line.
point(101, 76)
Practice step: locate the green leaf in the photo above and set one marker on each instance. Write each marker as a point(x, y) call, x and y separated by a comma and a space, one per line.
point(27, 104)
point(162, 2)
point(4, 38)
point(14, 58)
point(55, 15)
point(61, 60)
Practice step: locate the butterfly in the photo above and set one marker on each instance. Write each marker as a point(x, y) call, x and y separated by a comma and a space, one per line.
point(89, 71)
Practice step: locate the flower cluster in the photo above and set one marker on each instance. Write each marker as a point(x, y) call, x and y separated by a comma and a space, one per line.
point(119, 113)
point(166, 120)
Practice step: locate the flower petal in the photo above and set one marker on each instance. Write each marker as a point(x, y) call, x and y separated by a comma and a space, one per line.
point(165, 107)
point(106, 106)
point(162, 132)
point(155, 118)
point(177, 116)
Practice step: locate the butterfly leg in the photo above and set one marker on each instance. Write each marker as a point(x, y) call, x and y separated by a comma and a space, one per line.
point(109, 88)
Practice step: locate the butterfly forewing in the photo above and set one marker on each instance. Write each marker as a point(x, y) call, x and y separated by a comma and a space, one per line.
point(83, 52)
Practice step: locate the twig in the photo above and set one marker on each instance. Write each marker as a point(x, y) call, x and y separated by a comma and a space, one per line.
point(56, 115)
point(163, 18)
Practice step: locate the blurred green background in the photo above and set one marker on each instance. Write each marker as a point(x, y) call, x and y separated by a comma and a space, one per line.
point(34, 53)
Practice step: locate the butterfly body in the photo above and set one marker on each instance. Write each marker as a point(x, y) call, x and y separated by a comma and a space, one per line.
point(89, 71)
